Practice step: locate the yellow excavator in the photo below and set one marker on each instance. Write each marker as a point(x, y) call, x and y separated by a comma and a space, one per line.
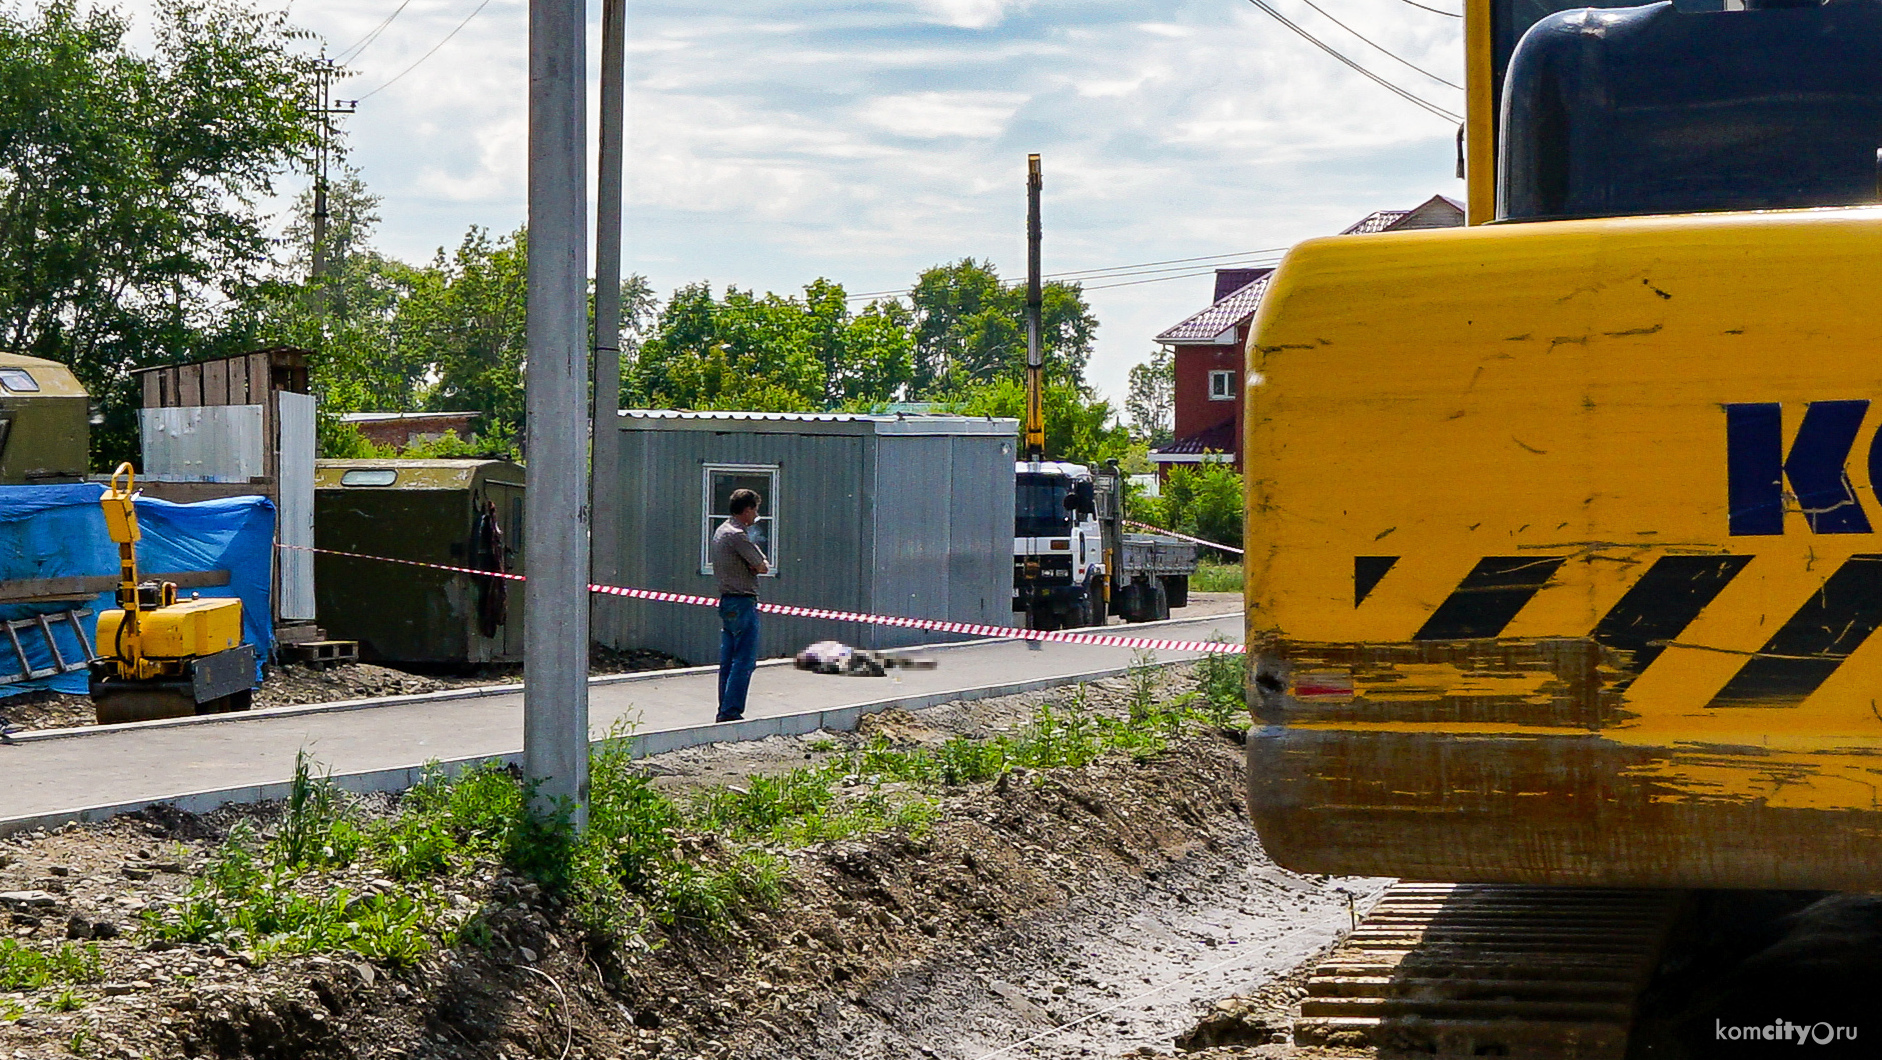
point(160, 657)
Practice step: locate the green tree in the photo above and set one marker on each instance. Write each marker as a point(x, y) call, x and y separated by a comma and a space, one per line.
point(349, 318)
point(1151, 401)
point(129, 183)
point(772, 353)
point(1204, 500)
point(970, 329)
point(1077, 428)
point(464, 318)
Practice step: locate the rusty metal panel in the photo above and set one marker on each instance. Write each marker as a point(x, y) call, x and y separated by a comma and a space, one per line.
point(1564, 561)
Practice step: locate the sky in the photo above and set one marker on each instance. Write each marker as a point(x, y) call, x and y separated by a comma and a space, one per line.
point(774, 143)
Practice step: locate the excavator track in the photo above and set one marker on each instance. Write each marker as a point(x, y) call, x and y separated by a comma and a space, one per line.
point(1444, 969)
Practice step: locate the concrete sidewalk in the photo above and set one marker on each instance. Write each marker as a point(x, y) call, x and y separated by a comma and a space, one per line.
point(198, 764)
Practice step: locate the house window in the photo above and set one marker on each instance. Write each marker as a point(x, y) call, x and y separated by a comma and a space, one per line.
point(1221, 386)
point(720, 481)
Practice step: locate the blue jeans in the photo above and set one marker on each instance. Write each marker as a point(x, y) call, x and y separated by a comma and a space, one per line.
point(738, 653)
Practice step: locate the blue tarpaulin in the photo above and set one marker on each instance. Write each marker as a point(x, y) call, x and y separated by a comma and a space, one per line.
point(59, 532)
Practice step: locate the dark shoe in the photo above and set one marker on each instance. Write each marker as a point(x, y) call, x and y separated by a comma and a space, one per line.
point(739, 717)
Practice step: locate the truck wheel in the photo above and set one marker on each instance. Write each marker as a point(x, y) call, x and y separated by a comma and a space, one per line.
point(1176, 587)
point(1132, 603)
point(1159, 600)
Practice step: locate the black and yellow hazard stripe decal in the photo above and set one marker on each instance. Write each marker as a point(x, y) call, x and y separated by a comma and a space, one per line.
point(1811, 645)
point(1489, 597)
point(1808, 648)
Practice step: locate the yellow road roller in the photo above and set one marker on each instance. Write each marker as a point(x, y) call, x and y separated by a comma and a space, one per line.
point(160, 657)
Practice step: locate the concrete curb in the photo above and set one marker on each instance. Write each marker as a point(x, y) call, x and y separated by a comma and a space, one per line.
point(401, 778)
point(479, 692)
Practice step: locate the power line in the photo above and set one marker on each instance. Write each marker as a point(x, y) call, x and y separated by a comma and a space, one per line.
point(361, 44)
point(1433, 10)
point(1172, 261)
point(1394, 56)
point(1417, 101)
point(1147, 276)
point(1143, 268)
point(427, 55)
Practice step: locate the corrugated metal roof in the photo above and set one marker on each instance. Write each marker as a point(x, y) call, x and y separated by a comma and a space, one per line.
point(1221, 317)
point(818, 422)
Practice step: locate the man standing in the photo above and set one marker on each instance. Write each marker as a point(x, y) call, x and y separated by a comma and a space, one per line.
point(736, 564)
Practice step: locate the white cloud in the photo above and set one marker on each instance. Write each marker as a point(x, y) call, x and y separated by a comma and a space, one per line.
point(863, 140)
point(934, 115)
point(969, 14)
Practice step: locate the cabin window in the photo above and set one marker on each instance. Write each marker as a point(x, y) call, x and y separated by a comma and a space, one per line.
point(369, 476)
point(1221, 386)
point(19, 380)
point(720, 481)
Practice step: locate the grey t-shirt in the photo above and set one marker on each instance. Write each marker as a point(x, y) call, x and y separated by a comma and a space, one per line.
point(735, 560)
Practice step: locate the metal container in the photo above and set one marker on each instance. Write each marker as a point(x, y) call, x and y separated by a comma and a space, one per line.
point(895, 515)
point(461, 513)
point(45, 422)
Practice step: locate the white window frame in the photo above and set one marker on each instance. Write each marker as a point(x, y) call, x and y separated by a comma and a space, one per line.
point(767, 512)
point(1226, 377)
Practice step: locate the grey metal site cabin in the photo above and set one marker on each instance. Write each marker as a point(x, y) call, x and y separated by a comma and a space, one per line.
point(896, 515)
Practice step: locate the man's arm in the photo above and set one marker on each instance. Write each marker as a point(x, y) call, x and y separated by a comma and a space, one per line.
point(748, 551)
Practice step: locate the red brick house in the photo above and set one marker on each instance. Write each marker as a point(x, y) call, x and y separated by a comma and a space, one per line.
point(1208, 347)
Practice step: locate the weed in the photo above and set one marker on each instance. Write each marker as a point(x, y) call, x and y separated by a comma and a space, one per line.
point(80, 1043)
point(11, 1010)
point(26, 968)
point(822, 745)
point(66, 1000)
point(1214, 577)
point(1222, 679)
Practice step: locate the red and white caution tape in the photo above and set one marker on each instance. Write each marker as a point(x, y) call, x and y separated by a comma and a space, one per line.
point(792, 611)
point(1181, 537)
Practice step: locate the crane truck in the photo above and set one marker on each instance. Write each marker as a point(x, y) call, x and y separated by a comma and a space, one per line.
point(1073, 562)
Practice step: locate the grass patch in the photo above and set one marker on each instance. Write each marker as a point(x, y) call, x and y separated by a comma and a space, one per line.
point(1215, 577)
point(646, 857)
point(26, 968)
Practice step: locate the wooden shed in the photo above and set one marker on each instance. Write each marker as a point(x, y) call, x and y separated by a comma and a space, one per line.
point(239, 426)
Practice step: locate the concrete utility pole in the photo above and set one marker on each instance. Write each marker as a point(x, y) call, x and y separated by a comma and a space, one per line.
point(555, 532)
point(1035, 423)
point(326, 107)
point(605, 506)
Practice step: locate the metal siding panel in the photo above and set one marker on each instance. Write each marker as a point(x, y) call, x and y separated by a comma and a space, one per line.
point(914, 479)
point(295, 516)
point(898, 524)
point(220, 443)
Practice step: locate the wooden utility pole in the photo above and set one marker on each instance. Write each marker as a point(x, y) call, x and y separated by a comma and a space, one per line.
point(555, 530)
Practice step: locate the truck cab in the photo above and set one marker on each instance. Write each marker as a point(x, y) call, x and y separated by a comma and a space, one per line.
point(1058, 545)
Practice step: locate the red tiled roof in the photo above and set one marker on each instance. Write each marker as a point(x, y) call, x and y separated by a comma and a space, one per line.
point(1217, 439)
point(1222, 316)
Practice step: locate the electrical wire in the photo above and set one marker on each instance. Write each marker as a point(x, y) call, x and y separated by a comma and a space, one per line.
point(1433, 10)
point(1185, 267)
point(1389, 53)
point(427, 55)
point(1417, 101)
point(363, 43)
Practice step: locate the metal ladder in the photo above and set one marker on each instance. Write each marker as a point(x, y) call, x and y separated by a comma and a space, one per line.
point(46, 626)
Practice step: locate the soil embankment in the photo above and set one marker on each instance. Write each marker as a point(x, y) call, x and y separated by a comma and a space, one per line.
point(1126, 893)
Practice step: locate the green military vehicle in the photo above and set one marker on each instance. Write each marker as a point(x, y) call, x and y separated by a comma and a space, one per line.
point(45, 422)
